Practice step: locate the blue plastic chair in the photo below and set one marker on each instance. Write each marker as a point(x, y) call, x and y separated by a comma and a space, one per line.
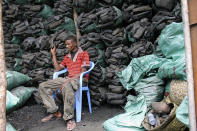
point(78, 93)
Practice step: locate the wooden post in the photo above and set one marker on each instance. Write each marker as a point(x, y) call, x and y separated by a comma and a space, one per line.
point(192, 4)
point(2, 78)
point(76, 25)
point(190, 31)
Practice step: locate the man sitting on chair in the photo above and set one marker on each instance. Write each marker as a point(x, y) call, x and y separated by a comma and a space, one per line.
point(76, 62)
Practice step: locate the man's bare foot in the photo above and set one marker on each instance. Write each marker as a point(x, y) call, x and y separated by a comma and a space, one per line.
point(49, 117)
point(71, 125)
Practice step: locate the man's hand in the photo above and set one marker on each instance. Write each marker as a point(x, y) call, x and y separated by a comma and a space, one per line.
point(69, 80)
point(53, 50)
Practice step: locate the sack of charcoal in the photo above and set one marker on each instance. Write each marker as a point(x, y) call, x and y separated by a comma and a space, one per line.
point(103, 17)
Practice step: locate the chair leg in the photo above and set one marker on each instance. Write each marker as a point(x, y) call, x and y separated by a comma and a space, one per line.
point(78, 103)
point(53, 95)
point(89, 101)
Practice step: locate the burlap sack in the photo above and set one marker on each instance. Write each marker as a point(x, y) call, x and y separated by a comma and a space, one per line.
point(178, 90)
point(175, 125)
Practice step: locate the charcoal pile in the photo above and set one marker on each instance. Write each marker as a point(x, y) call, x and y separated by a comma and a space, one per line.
point(113, 32)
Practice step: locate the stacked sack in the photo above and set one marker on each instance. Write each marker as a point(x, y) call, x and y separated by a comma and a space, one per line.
point(17, 94)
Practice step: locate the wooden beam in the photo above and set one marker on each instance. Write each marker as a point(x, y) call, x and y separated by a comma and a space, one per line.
point(192, 4)
point(3, 83)
point(76, 25)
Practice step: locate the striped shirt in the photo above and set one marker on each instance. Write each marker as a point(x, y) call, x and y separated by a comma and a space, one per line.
point(81, 59)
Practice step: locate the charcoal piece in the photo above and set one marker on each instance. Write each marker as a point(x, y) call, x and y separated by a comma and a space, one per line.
point(94, 59)
point(109, 75)
point(62, 35)
point(11, 52)
point(132, 49)
point(95, 78)
point(116, 89)
point(118, 50)
point(40, 63)
point(54, 24)
point(94, 88)
point(113, 61)
point(114, 96)
point(117, 102)
point(12, 11)
point(86, 45)
point(60, 52)
point(95, 96)
point(28, 43)
point(92, 52)
point(63, 7)
point(96, 69)
point(115, 82)
point(147, 14)
point(119, 55)
point(92, 82)
point(167, 4)
point(94, 37)
point(108, 52)
point(98, 103)
point(139, 32)
point(29, 59)
point(42, 43)
point(11, 46)
point(142, 9)
point(96, 74)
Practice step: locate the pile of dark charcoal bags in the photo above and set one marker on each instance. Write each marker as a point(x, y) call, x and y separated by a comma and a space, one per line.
point(113, 32)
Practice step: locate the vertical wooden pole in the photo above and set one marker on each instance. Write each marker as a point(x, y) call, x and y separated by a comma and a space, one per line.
point(76, 25)
point(2, 77)
point(192, 4)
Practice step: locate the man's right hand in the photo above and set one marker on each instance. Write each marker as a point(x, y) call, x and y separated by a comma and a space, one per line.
point(53, 50)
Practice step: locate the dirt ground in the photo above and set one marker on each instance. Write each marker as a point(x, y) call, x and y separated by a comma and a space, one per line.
point(28, 118)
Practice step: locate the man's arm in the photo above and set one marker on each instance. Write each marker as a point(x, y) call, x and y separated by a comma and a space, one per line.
point(55, 63)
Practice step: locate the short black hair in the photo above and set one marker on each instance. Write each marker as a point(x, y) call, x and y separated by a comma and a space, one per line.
point(71, 37)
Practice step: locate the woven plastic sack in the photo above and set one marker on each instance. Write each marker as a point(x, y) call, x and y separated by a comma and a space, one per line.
point(182, 112)
point(138, 68)
point(171, 43)
point(23, 93)
point(15, 79)
point(11, 101)
point(68, 25)
point(152, 88)
point(119, 17)
point(18, 65)
point(46, 12)
point(15, 40)
point(9, 127)
point(131, 120)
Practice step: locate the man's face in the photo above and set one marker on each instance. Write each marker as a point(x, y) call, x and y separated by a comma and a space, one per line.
point(70, 44)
